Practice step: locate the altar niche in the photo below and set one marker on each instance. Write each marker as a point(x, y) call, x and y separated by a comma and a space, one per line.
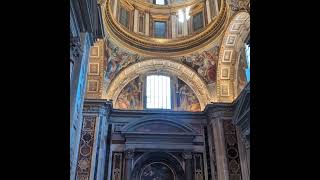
point(157, 166)
point(157, 171)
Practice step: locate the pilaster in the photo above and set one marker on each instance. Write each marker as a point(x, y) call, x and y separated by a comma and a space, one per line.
point(188, 165)
point(129, 153)
point(92, 147)
point(135, 21)
point(147, 24)
point(217, 113)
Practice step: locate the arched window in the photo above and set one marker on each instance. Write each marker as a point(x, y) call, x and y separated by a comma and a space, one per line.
point(160, 2)
point(158, 94)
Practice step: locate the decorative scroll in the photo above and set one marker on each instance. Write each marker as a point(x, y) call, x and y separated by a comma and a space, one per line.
point(198, 166)
point(86, 146)
point(117, 166)
point(232, 150)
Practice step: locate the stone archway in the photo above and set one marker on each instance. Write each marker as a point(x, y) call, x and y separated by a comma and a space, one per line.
point(232, 43)
point(188, 75)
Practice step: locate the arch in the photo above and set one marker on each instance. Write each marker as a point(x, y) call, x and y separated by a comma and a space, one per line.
point(233, 41)
point(186, 74)
point(161, 157)
point(178, 125)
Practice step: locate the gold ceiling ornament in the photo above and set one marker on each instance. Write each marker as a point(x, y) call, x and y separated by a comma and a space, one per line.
point(232, 42)
point(183, 72)
point(149, 46)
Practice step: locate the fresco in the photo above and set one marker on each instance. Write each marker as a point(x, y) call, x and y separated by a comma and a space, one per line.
point(204, 63)
point(130, 96)
point(186, 99)
point(157, 171)
point(242, 79)
point(116, 59)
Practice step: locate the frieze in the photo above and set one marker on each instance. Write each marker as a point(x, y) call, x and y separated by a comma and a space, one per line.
point(220, 112)
point(96, 108)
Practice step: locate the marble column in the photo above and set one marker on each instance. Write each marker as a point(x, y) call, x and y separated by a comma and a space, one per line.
point(174, 25)
point(208, 11)
point(115, 5)
point(135, 21)
point(188, 165)
point(147, 24)
point(129, 160)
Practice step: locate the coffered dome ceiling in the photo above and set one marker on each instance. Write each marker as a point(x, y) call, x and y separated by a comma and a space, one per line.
point(206, 60)
point(143, 40)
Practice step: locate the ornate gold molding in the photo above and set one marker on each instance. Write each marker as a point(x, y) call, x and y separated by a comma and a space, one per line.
point(186, 74)
point(232, 42)
point(166, 47)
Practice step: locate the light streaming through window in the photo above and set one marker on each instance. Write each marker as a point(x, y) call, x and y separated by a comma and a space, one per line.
point(160, 2)
point(158, 92)
point(183, 15)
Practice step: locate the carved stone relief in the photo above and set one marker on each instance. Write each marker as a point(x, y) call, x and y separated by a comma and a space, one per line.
point(232, 152)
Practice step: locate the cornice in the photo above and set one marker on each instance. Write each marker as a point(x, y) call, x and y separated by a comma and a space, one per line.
point(100, 106)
